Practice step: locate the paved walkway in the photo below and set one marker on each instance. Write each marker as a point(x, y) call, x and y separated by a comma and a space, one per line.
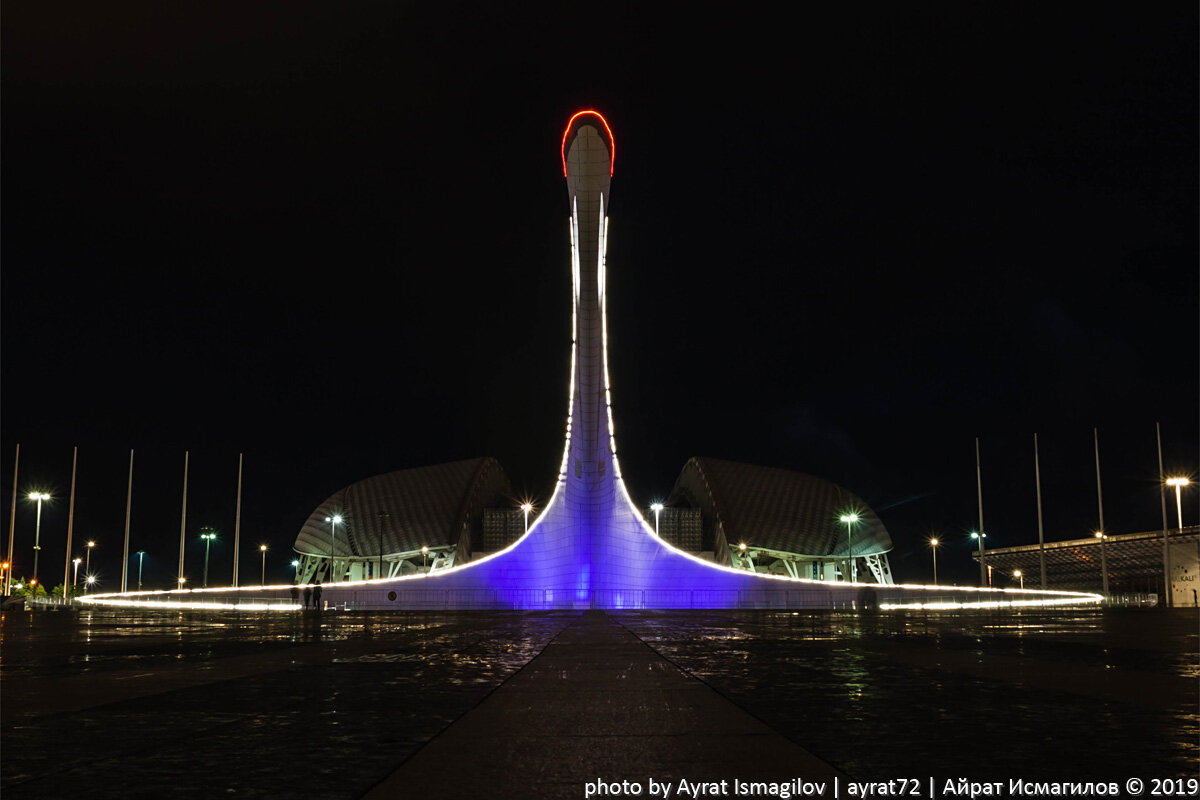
point(597, 704)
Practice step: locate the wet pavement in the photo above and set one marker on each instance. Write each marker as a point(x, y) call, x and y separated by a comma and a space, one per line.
point(1095, 693)
point(110, 703)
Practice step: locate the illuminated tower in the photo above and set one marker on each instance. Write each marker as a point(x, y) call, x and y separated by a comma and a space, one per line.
point(590, 547)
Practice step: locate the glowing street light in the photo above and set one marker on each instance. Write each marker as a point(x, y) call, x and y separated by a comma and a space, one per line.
point(527, 507)
point(75, 579)
point(209, 535)
point(657, 509)
point(262, 548)
point(91, 580)
point(333, 521)
point(296, 567)
point(933, 545)
point(1019, 576)
point(141, 554)
point(37, 536)
point(182, 580)
point(424, 555)
point(1178, 483)
point(850, 519)
point(87, 565)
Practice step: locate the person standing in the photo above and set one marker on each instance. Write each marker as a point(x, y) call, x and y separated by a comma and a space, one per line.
point(317, 595)
point(307, 596)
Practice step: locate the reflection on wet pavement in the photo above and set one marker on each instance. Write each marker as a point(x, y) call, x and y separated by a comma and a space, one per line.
point(328, 708)
point(1094, 693)
point(198, 704)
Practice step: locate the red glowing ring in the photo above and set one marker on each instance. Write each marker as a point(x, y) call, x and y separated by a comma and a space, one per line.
point(612, 143)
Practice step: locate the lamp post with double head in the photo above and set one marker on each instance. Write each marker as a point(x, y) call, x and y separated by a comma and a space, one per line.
point(208, 535)
point(1179, 483)
point(850, 519)
point(37, 497)
point(983, 581)
point(333, 521)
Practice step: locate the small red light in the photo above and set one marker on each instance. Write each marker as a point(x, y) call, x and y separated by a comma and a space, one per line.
point(612, 141)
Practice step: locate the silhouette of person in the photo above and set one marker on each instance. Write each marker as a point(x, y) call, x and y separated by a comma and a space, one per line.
point(307, 596)
point(317, 595)
point(295, 593)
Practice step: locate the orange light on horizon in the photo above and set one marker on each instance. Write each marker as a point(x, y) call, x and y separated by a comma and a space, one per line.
point(612, 142)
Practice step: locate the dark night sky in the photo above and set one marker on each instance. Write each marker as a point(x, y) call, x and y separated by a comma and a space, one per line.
point(334, 236)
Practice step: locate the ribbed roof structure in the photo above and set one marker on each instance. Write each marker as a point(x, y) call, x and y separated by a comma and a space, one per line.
point(777, 509)
point(403, 511)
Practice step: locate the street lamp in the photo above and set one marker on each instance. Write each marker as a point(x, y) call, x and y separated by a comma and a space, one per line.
point(981, 537)
point(424, 555)
point(262, 548)
point(657, 509)
point(208, 538)
point(333, 521)
point(850, 519)
point(75, 579)
point(933, 545)
point(141, 554)
point(296, 567)
point(1178, 483)
point(91, 579)
point(1019, 576)
point(527, 507)
point(182, 580)
point(1103, 563)
point(87, 565)
point(37, 536)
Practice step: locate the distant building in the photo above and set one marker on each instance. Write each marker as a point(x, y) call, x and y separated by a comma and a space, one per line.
point(1134, 562)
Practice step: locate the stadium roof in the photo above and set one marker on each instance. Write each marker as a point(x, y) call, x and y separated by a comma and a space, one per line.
point(777, 509)
point(400, 512)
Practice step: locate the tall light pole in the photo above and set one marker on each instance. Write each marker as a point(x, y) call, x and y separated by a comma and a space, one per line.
point(12, 525)
point(1178, 483)
point(526, 508)
point(657, 509)
point(262, 548)
point(128, 510)
point(237, 524)
point(141, 554)
point(1037, 477)
point(333, 521)
point(37, 535)
point(70, 521)
point(87, 565)
point(208, 535)
point(933, 545)
point(983, 581)
point(75, 579)
point(850, 519)
point(1019, 576)
point(183, 520)
point(424, 556)
point(1103, 564)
